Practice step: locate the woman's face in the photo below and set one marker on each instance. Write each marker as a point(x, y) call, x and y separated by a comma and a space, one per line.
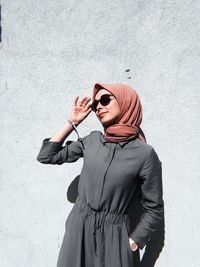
point(109, 112)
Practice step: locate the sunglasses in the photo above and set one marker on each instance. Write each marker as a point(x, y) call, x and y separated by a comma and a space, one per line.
point(104, 101)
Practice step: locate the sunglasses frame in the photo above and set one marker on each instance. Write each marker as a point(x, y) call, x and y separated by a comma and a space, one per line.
point(96, 102)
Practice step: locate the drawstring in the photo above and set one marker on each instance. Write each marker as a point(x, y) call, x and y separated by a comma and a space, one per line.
point(99, 219)
point(80, 139)
point(94, 234)
point(75, 128)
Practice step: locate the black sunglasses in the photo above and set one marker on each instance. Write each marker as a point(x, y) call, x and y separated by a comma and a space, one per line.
point(104, 101)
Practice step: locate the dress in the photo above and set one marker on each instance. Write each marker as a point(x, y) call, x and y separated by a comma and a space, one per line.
point(97, 229)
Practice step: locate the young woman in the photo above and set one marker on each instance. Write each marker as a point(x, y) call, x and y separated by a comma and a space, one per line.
point(117, 163)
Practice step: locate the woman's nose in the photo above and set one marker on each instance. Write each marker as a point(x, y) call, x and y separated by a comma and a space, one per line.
point(98, 106)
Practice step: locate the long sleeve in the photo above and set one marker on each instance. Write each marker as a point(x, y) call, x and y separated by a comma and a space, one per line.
point(153, 205)
point(52, 152)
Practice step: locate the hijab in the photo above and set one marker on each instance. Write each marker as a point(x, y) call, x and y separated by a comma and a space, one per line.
point(127, 124)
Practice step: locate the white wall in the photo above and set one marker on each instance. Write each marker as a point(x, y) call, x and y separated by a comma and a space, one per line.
point(53, 50)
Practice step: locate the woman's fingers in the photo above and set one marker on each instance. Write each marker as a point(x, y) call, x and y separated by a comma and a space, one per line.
point(88, 105)
point(84, 102)
point(75, 100)
point(87, 100)
point(79, 101)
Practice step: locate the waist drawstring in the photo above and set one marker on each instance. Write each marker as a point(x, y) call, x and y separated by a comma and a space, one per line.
point(99, 219)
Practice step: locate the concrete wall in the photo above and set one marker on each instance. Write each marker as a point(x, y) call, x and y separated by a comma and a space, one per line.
point(53, 50)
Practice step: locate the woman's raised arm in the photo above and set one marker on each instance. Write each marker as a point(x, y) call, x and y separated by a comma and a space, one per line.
point(52, 151)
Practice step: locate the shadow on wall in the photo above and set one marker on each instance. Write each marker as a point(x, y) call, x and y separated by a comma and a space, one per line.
point(154, 246)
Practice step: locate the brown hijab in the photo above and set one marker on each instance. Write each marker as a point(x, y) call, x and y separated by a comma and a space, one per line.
point(127, 124)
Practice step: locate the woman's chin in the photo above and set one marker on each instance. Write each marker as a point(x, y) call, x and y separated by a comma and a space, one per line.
point(106, 123)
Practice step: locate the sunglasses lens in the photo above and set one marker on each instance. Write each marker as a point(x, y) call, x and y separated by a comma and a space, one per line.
point(104, 101)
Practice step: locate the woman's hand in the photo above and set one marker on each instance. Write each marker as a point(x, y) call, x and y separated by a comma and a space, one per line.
point(80, 109)
point(133, 245)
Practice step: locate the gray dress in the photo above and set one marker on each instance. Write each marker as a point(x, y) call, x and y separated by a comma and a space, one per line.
point(97, 229)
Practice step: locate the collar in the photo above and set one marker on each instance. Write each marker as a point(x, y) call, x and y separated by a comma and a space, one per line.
point(121, 143)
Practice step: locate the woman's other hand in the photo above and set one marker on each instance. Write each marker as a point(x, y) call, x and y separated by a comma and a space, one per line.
point(133, 245)
point(80, 109)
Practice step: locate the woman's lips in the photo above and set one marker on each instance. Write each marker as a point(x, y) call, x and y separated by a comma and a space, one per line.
point(101, 114)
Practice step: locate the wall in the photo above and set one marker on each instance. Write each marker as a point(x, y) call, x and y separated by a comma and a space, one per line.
point(53, 50)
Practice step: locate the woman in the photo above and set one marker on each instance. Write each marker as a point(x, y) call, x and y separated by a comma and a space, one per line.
point(116, 165)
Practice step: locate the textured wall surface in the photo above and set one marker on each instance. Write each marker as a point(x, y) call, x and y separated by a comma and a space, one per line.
point(53, 50)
